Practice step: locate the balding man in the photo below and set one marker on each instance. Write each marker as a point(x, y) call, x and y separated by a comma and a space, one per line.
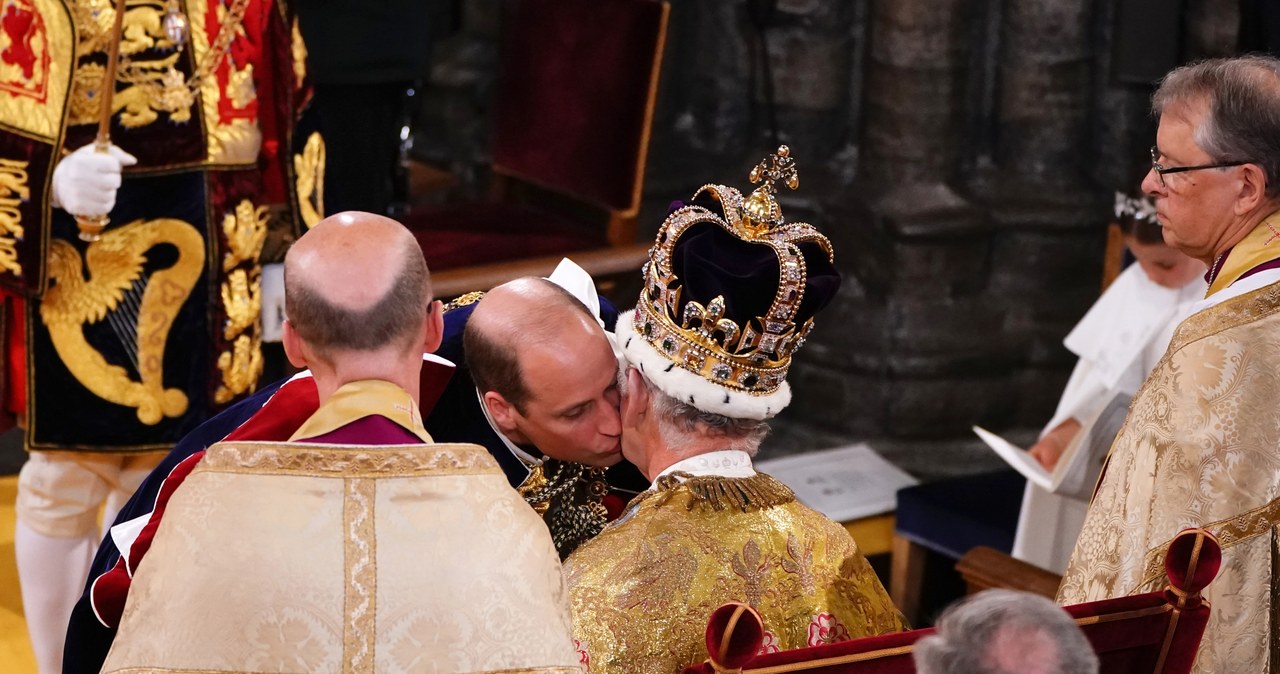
point(1201, 444)
point(570, 495)
point(312, 551)
point(546, 378)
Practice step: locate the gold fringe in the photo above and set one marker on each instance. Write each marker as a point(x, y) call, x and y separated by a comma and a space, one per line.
point(722, 493)
point(463, 300)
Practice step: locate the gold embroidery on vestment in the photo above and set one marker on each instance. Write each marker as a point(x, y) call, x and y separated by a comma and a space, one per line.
point(149, 84)
point(240, 367)
point(246, 230)
point(359, 559)
point(724, 493)
point(278, 458)
point(464, 300)
point(240, 90)
point(299, 48)
point(309, 167)
point(33, 78)
point(242, 300)
point(1229, 532)
point(235, 141)
point(13, 191)
point(114, 264)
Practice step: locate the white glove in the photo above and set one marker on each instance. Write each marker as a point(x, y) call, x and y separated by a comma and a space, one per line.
point(85, 181)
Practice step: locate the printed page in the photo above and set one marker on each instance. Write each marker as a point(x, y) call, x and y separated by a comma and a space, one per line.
point(844, 484)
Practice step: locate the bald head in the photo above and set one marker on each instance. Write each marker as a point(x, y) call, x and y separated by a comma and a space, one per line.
point(356, 281)
point(524, 314)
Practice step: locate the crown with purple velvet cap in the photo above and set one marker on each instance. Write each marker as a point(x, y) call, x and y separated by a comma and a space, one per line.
point(730, 293)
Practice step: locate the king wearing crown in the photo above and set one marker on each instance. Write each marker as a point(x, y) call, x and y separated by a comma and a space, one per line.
point(730, 293)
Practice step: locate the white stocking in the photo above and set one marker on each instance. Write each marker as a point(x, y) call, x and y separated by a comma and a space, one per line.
point(52, 573)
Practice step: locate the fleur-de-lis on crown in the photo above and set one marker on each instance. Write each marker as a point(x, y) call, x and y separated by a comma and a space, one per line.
point(711, 320)
point(761, 209)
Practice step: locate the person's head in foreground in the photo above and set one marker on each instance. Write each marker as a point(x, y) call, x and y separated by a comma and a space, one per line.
point(1005, 632)
point(1163, 264)
point(1215, 167)
point(545, 371)
point(359, 305)
point(727, 300)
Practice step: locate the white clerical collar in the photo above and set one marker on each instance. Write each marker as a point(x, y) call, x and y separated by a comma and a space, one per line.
point(721, 463)
point(525, 457)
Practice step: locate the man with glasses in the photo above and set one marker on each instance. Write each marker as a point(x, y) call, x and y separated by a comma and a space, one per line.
point(1201, 445)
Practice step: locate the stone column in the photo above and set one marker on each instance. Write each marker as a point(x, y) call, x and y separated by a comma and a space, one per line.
point(1044, 71)
point(914, 91)
point(1050, 224)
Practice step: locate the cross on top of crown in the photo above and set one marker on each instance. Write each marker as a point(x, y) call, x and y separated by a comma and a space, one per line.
point(778, 166)
point(760, 210)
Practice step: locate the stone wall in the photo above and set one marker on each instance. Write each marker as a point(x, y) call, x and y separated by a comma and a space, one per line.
point(961, 154)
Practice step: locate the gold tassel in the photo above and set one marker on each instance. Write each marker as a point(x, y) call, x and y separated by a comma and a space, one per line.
point(721, 493)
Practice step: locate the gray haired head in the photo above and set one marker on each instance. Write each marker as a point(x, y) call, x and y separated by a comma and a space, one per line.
point(1242, 99)
point(1005, 632)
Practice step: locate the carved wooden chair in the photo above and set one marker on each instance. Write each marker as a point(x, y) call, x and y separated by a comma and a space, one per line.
point(1152, 633)
point(573, 107)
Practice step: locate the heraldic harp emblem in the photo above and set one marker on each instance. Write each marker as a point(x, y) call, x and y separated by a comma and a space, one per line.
point(109, 284)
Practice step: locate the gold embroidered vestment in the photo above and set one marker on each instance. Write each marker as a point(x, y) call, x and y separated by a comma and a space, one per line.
point(641, 591)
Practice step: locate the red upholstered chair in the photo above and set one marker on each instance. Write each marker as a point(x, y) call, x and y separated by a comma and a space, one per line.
point(573, 106)
point(1153, 633)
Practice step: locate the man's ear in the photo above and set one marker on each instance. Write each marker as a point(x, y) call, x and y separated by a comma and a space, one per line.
point(635, 399)
point(435, 327)
point(1253, 189)
point(293, 347)
point(503, 412)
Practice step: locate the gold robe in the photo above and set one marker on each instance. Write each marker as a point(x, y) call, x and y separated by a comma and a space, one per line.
point(288, 557)
point(1200, 448)
point(641, 591)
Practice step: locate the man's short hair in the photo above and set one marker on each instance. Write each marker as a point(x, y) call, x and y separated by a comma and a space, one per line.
point(492, 355)
point(677, 420)
point(394, 319)
point(1243, 101)
point(968, 638)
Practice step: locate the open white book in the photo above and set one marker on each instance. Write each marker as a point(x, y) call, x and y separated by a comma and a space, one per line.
point(844, 484)
point(1081, 461)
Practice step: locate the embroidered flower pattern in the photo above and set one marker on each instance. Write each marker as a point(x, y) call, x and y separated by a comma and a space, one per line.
point(584, 658)
point(825, 628)
point(769, 644)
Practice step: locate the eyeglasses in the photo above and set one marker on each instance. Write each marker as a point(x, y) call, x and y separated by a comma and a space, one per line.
point(1162, 170)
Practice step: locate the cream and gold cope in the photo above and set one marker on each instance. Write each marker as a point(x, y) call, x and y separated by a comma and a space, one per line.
point(402, 558)
point(1200, 448)
point(642, 590)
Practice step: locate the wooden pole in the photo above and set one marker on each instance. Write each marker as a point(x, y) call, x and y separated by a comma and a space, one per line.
point(91, 226)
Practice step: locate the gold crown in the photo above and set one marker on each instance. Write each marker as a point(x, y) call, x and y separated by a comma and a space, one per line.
point(752, 357)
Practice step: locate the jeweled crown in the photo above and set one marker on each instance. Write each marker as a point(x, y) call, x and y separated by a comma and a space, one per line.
point(746, 316)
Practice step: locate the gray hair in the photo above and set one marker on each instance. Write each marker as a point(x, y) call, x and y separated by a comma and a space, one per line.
point(1242, 95)
point(1005, 632)
point(677, 421)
